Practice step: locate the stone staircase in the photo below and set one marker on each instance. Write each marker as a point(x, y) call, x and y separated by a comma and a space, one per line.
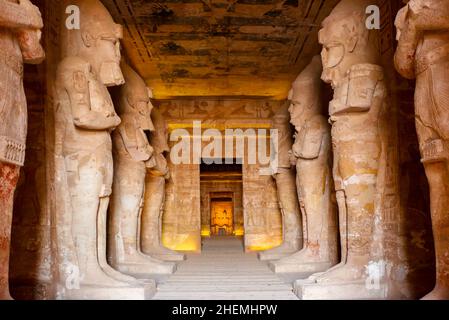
point(223, 271)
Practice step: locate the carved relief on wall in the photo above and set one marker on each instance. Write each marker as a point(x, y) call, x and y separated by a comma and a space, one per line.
point(20, 34)
point(423, 53)
point(218, 109)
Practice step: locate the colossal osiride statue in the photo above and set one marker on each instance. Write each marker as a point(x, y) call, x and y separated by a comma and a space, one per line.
point(85, 117)
point(153, 207)
point(423, 53)
point(20, 25)
point(286, 191)
point(133, 154)
point(312, 153)
point(358, 114)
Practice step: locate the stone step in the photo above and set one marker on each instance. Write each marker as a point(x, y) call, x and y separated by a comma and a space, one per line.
point(223, 271)
point(249, 295)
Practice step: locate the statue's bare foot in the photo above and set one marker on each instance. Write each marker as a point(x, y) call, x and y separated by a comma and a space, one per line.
point(140, 264)
point(305, 261)
point(111, 272)
point(348, 272)
point(283, 248)
point(97, 277)
point(314, 277)
point(439, 293)
point(162, 253)
point(5, 295)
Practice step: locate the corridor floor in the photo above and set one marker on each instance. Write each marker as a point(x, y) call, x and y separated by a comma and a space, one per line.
point(223, 271)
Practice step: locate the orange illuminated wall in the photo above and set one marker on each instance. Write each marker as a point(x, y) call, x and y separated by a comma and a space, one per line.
point(221, 220)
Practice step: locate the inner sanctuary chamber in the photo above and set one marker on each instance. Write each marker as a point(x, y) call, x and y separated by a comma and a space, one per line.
point(224, 149)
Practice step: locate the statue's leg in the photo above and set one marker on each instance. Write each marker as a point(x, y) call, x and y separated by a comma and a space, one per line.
point(292, 229)
point(286, 183)
point(151, 216)
point(102, 245)
point(85, 187)
point(315, 193)
point(128, 193)
point(438, 176)
point(9, 175)
point(430, 102)
point(359, 167)
point(107, 176)
point(342, 216)
point(151, 226)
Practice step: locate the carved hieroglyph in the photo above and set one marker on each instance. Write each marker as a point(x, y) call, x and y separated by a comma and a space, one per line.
point(85, 117)
point(20, 25)
point(311, 154)
point(423, 53)
point(358, 113)
point(154, 198)
point(286, 191)
point(133, 154)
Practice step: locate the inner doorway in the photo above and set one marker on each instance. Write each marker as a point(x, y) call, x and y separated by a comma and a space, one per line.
point(221, 199)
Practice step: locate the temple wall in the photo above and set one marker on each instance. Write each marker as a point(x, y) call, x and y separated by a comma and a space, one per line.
point(34, 268)
point(32, 264)
point(262, 217)
point(408, 233)
point(181, 229)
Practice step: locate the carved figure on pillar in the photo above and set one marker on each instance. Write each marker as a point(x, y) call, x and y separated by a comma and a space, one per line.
point(423, 53)
point(85, 117)
point(286, 191)
point(133, 155)
point(20, 34)
point(155, 181)
point(312, 154)
point(358, 114)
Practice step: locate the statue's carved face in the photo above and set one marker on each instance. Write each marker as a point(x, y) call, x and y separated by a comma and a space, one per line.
point(143, 114)
point(103, 49)
point(333, 52)
point(141, 108)
point(295, 110)
point(340, 37)
point(303, 104)
point(108, 46)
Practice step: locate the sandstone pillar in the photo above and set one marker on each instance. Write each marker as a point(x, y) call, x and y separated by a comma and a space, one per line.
point(286, 192)
point(84, 118)
point(154, 198)
point(20, 25)
point(312, 156)
point(423, 53)
point(133, 154)
point(358, 113)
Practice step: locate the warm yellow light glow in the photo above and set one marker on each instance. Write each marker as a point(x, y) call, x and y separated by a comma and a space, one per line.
point(221, 218)
point(186, 246)
point(239, 232)
point(260, 247)
point(205, 232)
point(182, 242)
point(263, 244)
